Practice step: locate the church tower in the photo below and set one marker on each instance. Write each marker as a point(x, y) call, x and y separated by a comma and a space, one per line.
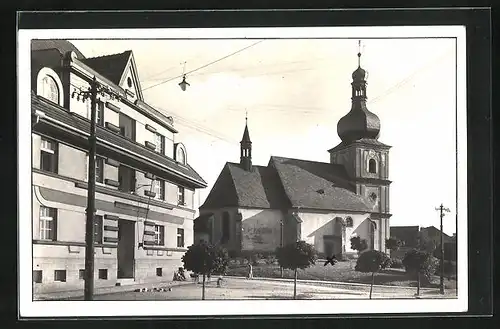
point(364, 157)
point(246, 149)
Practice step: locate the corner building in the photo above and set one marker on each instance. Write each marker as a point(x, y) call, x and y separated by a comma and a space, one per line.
point(146, 191)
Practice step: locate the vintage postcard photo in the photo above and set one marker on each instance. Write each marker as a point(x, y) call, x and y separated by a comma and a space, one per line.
point(240, 170)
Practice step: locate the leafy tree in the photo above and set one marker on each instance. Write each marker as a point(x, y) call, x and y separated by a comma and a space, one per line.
point(425, 243)
point(294, 256)
point(393, 243)
point(359, 244)
point(372, 261)
point(418, 263)
point(206, 259)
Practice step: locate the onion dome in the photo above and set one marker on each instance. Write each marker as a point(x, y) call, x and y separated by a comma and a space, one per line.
point(359, 123)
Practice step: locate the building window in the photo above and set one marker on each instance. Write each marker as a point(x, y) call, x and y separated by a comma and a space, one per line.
point(372, 166)
point(225, 227)
point(181, 196)
point(50, 90)
point(81, 274)
point(348, 222)
point(103, 274)
point(98, 228)
point(48, 155)
point(180, 238)
point(99, 113)
point(159, 189)
point(99, 170)
point(48, 223)
point(159, 235)
point(160, 143)
point(37, 276)
point(181, 155)
point(60, 275)
point(126, 179)
point(127, 126)
point(159, 271)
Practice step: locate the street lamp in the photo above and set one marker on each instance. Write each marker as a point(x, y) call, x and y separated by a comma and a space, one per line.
point(183, 84)
point(441, 210)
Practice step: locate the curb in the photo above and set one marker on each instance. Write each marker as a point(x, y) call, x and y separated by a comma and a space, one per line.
point(361, 285)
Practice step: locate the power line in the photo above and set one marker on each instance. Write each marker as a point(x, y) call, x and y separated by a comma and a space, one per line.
point(201, 67)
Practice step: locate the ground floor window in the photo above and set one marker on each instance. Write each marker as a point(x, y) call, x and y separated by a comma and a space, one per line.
point(37, 276)
point(60, 275)
point(48, 223)
point(159, 235)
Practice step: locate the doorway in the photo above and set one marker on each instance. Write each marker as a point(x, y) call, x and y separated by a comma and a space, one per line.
point(332, 245)
point(126, 249)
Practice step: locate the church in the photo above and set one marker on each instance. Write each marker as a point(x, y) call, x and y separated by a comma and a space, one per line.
point(254, 208)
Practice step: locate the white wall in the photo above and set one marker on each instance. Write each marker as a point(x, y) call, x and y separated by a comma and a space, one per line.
point(261, 229)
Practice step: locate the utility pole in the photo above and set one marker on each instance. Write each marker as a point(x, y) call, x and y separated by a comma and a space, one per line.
point(441, 210)
point(281, 243)
point(91, 210)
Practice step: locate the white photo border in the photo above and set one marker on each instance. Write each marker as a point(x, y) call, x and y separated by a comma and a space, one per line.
point(42, 309)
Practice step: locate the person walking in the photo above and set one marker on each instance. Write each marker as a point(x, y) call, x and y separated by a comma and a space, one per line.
point(250, 271)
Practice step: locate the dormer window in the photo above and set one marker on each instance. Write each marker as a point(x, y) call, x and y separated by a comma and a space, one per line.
point(180, 155)
point(50, 89)
point(372, 166)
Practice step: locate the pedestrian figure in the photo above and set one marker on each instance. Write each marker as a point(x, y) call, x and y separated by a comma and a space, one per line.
point(250, 271)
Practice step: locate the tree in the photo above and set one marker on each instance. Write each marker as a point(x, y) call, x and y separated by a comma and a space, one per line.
point(205, 259)
point(294, 256)
point(418, 263)
point(425, 243)
point(393, 243)
point(359, 244)
point(372, 261)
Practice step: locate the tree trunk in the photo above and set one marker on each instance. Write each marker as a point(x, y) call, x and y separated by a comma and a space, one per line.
point(371, 286)
point(203, 288)
point(418, 284)
point(295, 285)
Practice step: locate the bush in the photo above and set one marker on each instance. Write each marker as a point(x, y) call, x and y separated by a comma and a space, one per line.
point(270, 260)
point(396, 263)
point(359, 244)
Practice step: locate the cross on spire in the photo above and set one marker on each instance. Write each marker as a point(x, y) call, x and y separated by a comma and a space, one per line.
point(246, 116)
point(359, 53)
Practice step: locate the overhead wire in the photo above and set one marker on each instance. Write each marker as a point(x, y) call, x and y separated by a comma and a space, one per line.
point(201, 67)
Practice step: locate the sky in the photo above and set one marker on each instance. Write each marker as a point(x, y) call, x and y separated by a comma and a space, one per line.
point(295, 91)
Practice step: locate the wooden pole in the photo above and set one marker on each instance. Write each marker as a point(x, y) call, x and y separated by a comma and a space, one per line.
point(90, 211)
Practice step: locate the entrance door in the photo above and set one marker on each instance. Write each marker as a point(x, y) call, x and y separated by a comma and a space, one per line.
point(126, 248)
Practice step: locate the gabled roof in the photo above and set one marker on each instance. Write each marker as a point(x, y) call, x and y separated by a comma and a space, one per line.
point(318, 185)
point(110, 66)
point(286, 183)
point(236, 187)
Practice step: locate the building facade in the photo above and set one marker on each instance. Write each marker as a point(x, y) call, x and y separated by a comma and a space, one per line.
point(258, 208)
point(145, 188)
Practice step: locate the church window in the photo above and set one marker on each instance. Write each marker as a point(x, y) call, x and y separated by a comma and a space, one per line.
point(348, 222)
point(225, 227)
point(372, 166)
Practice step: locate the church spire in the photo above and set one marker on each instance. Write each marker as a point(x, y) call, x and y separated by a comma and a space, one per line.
point(359, 122)
point(246, 148)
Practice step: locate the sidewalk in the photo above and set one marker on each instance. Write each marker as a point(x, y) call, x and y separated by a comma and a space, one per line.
point(61, 295)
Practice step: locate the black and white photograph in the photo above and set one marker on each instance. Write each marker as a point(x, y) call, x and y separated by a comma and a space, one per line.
point(239, 170)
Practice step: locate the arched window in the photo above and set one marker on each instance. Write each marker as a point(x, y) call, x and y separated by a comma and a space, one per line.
point(372, 166)
point(348, 222)
point(181, 155)
point(50, 89)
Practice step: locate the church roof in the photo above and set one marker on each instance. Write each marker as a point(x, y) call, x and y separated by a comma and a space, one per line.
point(286, 183)
point(110, 66)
